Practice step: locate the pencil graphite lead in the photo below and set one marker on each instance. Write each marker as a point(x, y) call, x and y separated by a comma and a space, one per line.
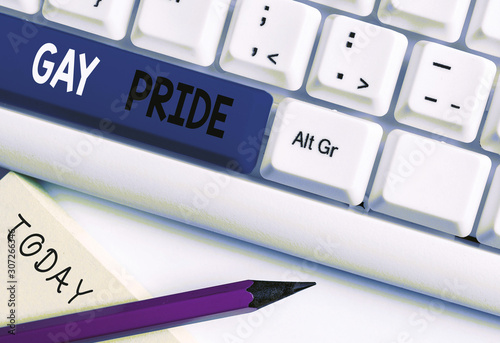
point(267, 292)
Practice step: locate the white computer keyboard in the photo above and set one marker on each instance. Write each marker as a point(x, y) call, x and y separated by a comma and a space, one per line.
point(379, 157)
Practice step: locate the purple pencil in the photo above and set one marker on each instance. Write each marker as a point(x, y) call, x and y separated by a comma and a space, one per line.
point(155, 314)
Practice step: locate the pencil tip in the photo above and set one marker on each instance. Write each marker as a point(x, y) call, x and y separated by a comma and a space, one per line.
point(299, 286)
point(267, 292)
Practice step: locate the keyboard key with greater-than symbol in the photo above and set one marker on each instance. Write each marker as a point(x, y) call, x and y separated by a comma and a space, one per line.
point(357, 65)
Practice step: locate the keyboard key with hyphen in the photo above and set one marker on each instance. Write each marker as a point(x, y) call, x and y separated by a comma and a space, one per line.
point(442, 19)
point(321, 151)
point(187, 30)
point(27, 6)
point(430, 183)
point(484, 29)
point(445, 91)
point(107, 18)
point(271, 41)
point(140, 99)
point(357, 65)
point(359, 7)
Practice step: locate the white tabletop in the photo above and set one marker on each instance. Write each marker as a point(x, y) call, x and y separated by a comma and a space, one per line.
point(168, 257)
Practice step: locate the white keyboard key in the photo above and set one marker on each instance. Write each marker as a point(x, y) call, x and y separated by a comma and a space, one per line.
point(359, 7)
point(107, 18)
point(488, 230)
point(441, 19)
point(429, 183)
point(27, 6)
point(271, 41)
point(357, 65)
point(490, 137)
point(321, 151)
point(445, 91)
point(187, 30)
point(484, 28)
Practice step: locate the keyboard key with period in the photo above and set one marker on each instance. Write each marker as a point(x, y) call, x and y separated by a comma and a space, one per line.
point(357, 65)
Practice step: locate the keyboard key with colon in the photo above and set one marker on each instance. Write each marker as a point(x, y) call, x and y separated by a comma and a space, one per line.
point(27, 6)
point(271, 41)
point(140, 100)
point(107, 18)
point(357, 65)
point(186, 30)
point(445, 91)
point(442, 19)
point(359, 7)
point(321, 151)
point(484, 29)
point(430, 183)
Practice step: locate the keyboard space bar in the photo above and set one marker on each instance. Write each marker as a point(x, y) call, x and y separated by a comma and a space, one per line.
point(337, 237)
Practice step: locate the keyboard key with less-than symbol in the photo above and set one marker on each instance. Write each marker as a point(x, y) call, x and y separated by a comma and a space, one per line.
point(271, 41)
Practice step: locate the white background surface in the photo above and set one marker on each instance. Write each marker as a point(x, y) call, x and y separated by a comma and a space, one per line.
point(167, 257)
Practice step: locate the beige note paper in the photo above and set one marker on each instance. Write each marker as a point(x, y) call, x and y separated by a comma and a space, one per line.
point(50, 266)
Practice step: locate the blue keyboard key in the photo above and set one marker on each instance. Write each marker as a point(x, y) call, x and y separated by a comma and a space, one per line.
point(95, 86)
